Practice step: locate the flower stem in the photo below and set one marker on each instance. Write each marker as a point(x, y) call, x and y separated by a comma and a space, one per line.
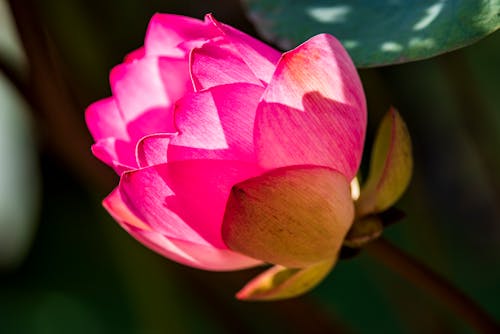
point(422, 276)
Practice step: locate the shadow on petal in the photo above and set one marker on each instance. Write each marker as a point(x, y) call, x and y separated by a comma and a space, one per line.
point(324, 133)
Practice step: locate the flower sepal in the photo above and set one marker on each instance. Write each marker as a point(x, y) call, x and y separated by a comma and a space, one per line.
point(364, 231)
point(279, 282)
point(391, 167)
point(390, 172)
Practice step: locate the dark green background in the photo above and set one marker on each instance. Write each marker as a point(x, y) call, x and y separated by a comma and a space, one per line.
point(84, 274)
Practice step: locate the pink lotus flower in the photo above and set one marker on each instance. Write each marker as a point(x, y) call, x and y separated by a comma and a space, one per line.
point(202, 107)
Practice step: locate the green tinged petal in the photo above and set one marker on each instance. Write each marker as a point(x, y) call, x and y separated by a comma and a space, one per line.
point(280, 283)
point(293, 216)
point(391, 166)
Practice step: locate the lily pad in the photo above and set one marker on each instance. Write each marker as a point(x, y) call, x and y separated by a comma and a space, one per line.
point(376, 32)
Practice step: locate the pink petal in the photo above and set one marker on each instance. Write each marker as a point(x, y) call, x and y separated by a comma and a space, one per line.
point(175, 76)
point(104, 120)
point(216, 63)
point(152, 149)
point(216, 124)
point(145, 91)
point(115, 153)
point(184, 252)
point(259, 57)
point(184, 200)
point(119, 211)
point(166, 32)
point(313, 111)
point(192, 254)
point(134, 55)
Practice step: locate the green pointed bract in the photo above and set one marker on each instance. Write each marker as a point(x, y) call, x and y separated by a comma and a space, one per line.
point(294, 216)
point(281, 283)
point(363, 231)
point(390, 168)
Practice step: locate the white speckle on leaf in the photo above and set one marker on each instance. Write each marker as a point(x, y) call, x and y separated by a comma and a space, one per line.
point(391, 47)
point(333, 14)
point(430, 15)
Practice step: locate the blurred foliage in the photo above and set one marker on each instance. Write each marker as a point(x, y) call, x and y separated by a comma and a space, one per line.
point(19, 176)
point(378, 32)
point(84, 274)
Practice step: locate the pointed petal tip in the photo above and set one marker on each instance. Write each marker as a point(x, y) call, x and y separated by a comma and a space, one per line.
point(320, 118)
point(152, 149)
point(391, 166)
point(210, 19)
point(114, 204)
point(105, 150)
point(104, 120)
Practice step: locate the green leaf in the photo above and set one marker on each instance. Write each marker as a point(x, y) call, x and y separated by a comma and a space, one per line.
point(281, 283)
point(390, 166)
point(293, 216)
point(379, 32)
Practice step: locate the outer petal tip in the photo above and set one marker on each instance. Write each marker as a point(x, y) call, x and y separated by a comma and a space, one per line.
point(313, 110)
point(110, 151)
point(390, 166)
point(104, 120)
point(113, 203)
point(152, 149)
point(135, 55)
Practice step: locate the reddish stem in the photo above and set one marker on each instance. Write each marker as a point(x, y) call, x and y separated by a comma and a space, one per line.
point(425, 278)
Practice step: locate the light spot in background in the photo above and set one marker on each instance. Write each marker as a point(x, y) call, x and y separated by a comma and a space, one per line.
point(391, 47)
point(19, 175)
point(350, 44)
point(333, 14)
point(19, 178)
point(419, 42)
point(10, 45)
point(430, 15)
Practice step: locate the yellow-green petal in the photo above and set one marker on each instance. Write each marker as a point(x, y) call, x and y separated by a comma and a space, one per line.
point(292, 216)
point(391, 166)
point(279, 282)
